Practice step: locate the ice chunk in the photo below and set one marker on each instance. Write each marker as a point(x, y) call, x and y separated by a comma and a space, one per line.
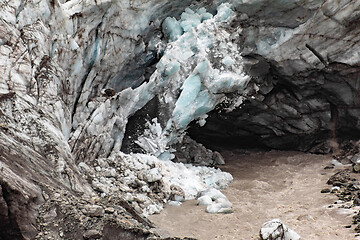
point(204, 15)
point(203, 69)
point(172, 28)
point(152, 140)
point(336, 163)
point(166, 156)
point(213, 208)
point(174, 203)
point(204, 200)
point(275, 229)
point(229, 82)
point(217, 208)
point(189, 19)
point(224, 12)
point(228, 61)
point(213, 194)
point(191, 88)
point(153, 175)
point(151, 209)
point(221, 203)
point(73, 45)
point(224, 202)
point(171, 68)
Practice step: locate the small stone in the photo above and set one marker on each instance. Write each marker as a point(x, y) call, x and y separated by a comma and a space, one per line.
point(92, 234)
point(218, 159)
point(84, 167)
point(94, 210)
point(329, 167)
point(326, 190)
point(45, 196)
point(305, 217)
point(347, 226)
point(356, 167)
point(109, 210)
point(337, 183)
point(341, 176)
point(356, 158)
point(356, 201)
point(110, 172)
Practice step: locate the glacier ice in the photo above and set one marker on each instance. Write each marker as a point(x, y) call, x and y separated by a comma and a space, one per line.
point(215, 201)
point(172, 28)
point(190, 63)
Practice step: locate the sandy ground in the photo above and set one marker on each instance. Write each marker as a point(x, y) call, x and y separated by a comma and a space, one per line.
point(266, 185)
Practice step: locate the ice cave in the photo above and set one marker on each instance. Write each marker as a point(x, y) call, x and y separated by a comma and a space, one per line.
point(235, 119)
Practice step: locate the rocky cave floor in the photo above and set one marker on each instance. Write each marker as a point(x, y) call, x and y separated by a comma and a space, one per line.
point(318, 196)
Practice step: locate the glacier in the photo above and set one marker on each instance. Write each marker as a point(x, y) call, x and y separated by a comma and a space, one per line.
point(101, 101)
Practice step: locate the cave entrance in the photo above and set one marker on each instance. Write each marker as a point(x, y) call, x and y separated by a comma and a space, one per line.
point(220, 134)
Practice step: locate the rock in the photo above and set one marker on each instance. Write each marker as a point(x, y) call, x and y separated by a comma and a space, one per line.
point(84, 167)
point(342, 176)
point(306, 217)
point(92, 234)
point(218, 159)
point(356, 167)
point(110, 173)
point(50, 215)
point(356, 201)
point(190, 151)
point(275, 229)
point(177, 193)
point(94, 210)
point(326, 190)
point(109, 210)
point(355, 158)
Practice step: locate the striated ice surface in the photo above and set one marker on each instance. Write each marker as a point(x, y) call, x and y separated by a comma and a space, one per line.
point(202, 62)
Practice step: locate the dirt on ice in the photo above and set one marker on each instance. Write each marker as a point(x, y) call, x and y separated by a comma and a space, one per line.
point(267, 185)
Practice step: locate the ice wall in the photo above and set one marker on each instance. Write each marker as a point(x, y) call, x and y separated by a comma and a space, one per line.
point(200, 66)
